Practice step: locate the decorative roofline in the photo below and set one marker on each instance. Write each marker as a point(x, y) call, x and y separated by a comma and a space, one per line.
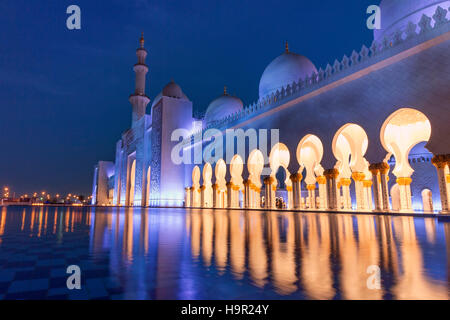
point(379, 50)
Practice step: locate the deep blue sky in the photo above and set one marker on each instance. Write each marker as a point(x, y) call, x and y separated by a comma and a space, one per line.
point(64, 94)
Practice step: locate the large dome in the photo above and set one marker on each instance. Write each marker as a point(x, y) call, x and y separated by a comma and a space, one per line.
point(395, 14)
point(171, 90)
point(222, 107)
point(284, 70)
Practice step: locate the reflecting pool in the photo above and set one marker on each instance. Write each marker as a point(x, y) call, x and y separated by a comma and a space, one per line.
point(137, 253)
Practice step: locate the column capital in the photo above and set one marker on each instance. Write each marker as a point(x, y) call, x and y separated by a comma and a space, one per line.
point(215, 186)
point(246, 182)
point(345, 182)
point(331, 173)
point(374, 168)
point(296, 177)
point(358, 176)
point(321, 180)
point(404, 181)
point(384, 167)
point(311, 186)
point(367, 183)
point(229, 184)
point(440, 161)
point(268, 180)
point(202, 187)
point(288, 188)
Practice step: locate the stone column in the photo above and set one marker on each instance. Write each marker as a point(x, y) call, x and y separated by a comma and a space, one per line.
point(270, 199)
point(332, 189)
point(296, 179)
point(384, 178)
point(257, 194)
point(441, 162)
point(215, 195)
point(187, 197)
point(192, 195)
point(229, 195)
point(376, 183)
point(345, 183)
point(289, 202)
point(368, 194)
point(323, 201)
point(246, 193)
point(202, 196)
point(359, 190)
point(404, 184)
point(235, 196)
point(311, 196)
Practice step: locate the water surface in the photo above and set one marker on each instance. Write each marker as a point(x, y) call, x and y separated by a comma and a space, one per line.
point(137, 253)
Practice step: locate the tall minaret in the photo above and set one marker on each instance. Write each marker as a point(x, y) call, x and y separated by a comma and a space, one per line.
point(139, 100)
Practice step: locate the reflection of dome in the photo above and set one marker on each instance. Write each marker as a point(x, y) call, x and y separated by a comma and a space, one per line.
point(171, 90)
point(222, 107)
point(395, 14)
point(284, 70)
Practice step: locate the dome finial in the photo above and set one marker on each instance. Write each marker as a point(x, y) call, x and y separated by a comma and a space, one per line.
point(286, 46)
point(225, 91)
point(141, 41)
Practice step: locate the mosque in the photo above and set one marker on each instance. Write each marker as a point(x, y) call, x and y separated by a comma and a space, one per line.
point(367, 132)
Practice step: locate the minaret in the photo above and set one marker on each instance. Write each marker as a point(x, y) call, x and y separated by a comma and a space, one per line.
point(139, 100)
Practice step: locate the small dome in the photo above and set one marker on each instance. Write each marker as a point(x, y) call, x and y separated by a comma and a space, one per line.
point(171, 90)
point(222, 107)
point(396, 14)
point(284, 70)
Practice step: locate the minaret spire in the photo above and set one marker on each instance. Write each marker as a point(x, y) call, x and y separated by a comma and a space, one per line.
point(141, 41)
point(225, 91)
point(139, 100)
point(286, 47)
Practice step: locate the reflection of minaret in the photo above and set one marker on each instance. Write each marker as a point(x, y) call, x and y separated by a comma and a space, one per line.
point(316, 265)
point(413, 283)
point(283, 254)
point(221, 240)
point(138, 99)
point(257, 255)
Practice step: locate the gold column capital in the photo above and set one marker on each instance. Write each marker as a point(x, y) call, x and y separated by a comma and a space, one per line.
point(296, 177)
point(404, 181)
point(331, 173)
point(358, 176)
point(311, 186)
point(367, 183)
point(321, 180)
point(346, 182)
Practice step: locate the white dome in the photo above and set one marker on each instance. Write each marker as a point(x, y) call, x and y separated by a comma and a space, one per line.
point(171, 90)
point(396, 14)
point(284, 70)
point(222, 107)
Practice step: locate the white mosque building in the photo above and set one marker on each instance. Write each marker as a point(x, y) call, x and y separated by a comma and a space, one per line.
point(367, 132)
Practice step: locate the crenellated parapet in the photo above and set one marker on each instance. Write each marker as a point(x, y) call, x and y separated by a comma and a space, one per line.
point(427, 28)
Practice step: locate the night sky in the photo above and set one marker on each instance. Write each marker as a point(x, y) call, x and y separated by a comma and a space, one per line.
point(64, 93)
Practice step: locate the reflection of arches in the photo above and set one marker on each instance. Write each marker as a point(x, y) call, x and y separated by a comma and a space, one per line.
point(349, 147)
point(400, 132)
point(309, 155)
point(206, 193)
point(255, 166)
point(279, 158)
point(219, 189)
